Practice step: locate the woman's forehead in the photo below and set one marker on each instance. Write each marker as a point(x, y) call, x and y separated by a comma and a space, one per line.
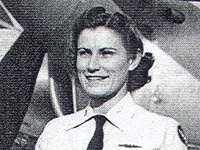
point(98, 37)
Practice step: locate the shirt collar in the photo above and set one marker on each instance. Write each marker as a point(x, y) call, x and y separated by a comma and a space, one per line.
point(125, 109)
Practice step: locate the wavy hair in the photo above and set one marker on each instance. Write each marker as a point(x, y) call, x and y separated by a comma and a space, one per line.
point(123, 25)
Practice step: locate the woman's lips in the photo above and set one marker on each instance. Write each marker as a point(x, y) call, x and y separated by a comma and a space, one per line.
point(96, 77)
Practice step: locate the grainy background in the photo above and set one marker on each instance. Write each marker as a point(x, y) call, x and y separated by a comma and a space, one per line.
point(175, 87)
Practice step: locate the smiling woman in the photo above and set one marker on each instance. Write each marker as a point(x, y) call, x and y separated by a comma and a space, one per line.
point(103, 64)
point(107, 49)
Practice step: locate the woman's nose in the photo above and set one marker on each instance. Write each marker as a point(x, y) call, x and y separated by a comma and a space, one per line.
point(93, 64)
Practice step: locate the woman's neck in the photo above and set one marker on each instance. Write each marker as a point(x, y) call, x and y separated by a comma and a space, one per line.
point(104, 107)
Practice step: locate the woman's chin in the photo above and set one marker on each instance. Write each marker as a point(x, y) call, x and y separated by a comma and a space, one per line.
point(97, 93)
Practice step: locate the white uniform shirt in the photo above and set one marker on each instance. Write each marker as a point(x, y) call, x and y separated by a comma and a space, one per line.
point(129, 127)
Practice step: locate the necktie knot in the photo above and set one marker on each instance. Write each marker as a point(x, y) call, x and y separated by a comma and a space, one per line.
point(100, 120)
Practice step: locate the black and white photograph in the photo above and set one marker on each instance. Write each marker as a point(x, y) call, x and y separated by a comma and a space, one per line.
point(99, 74)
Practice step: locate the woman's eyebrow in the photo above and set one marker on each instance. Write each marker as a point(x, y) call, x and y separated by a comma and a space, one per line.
point(107, 48)
point(82, 48)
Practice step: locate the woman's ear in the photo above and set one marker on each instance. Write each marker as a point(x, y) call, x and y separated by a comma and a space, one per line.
point(133, 63)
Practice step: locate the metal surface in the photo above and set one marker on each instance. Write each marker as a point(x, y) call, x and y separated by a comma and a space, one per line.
point(41, 19)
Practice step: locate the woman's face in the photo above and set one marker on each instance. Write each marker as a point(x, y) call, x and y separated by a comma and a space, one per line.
point(102, 62)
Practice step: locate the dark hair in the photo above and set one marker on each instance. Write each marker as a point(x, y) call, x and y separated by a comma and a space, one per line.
point(123, 25)
point(98, 16)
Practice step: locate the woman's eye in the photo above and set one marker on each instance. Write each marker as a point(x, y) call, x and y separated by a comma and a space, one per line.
point(107, 53)
point(83, 52)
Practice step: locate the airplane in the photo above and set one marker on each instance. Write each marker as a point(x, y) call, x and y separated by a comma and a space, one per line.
point(32, 92)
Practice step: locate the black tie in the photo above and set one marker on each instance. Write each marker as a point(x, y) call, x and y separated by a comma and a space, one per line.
point(96, 143)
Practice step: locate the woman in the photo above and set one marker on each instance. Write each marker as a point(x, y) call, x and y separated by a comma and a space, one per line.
point(109, 52)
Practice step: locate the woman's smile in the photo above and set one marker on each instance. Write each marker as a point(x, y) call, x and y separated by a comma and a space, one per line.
point(96, 77)
point(96, 81)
